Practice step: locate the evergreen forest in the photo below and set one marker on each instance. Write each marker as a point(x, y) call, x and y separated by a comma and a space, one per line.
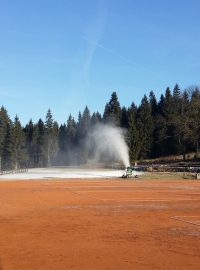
point(154, 128)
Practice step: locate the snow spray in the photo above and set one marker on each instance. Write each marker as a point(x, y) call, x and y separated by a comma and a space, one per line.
point(109, 142)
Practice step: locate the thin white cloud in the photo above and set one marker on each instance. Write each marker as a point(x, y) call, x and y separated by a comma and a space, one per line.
point(94, 31)
point(97, 44)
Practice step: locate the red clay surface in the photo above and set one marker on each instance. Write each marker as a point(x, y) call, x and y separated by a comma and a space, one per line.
point(100, 224)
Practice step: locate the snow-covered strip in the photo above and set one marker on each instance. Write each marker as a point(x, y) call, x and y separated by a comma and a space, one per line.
point(64, 173)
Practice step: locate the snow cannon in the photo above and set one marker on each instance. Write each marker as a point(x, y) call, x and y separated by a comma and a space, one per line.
point(127, 172)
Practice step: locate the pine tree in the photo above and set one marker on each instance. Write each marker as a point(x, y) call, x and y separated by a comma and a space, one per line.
point(62, 145)
point(133, 133)
point(71, 140)
point(6, 140)
point(145, 127)
point(85, 122)
point(170, 143)
point(85, 125)
point(160, 136)
point(193, 123)
point(124, 118)
point(62, 138)
point(95, 119)
point(39, 141)
point(176, 94)
point(160, 129)
point(183, 123)
point(168, 106)
point(177, 120)
point(161, 105)
point(112, 111)
point(169, 124)
point(51, 138)
point(8, 148)
point(71, 133)
point(55, 142)
point(4, 122)
point(153, 104)
point(29, 133)
point(154, 114)
point(19, 151)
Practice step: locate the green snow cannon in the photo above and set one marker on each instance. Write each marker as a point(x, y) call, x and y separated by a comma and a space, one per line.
point(128, 172)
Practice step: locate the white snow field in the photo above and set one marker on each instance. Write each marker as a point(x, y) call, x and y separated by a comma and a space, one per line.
point(64, 172)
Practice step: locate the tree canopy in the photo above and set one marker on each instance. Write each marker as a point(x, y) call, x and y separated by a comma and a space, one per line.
point(155, 127)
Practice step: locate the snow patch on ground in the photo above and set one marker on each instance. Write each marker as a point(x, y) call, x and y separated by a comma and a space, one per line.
point(63, 172)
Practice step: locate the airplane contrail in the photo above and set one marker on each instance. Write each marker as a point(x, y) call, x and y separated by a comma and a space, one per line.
point(109, 51)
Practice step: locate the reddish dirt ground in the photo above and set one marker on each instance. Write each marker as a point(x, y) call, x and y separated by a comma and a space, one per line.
point(100, 224)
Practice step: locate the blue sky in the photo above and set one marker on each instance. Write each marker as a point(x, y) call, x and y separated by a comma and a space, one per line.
point(64, 54)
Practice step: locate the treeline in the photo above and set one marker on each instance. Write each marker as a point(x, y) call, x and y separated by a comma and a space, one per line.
point(155, 128)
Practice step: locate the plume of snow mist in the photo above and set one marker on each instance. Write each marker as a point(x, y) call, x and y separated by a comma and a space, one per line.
point(108, 142)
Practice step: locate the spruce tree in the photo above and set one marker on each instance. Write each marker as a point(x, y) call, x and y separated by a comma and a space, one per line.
point(55, 142)
point(160, 129)
point(183, 123)
point(71, 131)
point(62, 137)
point(85, 125)
point(29, 133)
point(39, 140)
point(161, 105)
point(8, 149)
point(95, 119)
point(177, 120)
point(153, 104)
point(124, 118)
point(176, 94)
point(51, 137)
point(145, 127)
point(133, 133)
point(6, 140)
point(71, 140)
point(85, 122)
point(154, 114)
point(19, 150)
point(112, 111)
point(193, 123)
point(62, 145)
point(169, 114)
point(4, 124)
